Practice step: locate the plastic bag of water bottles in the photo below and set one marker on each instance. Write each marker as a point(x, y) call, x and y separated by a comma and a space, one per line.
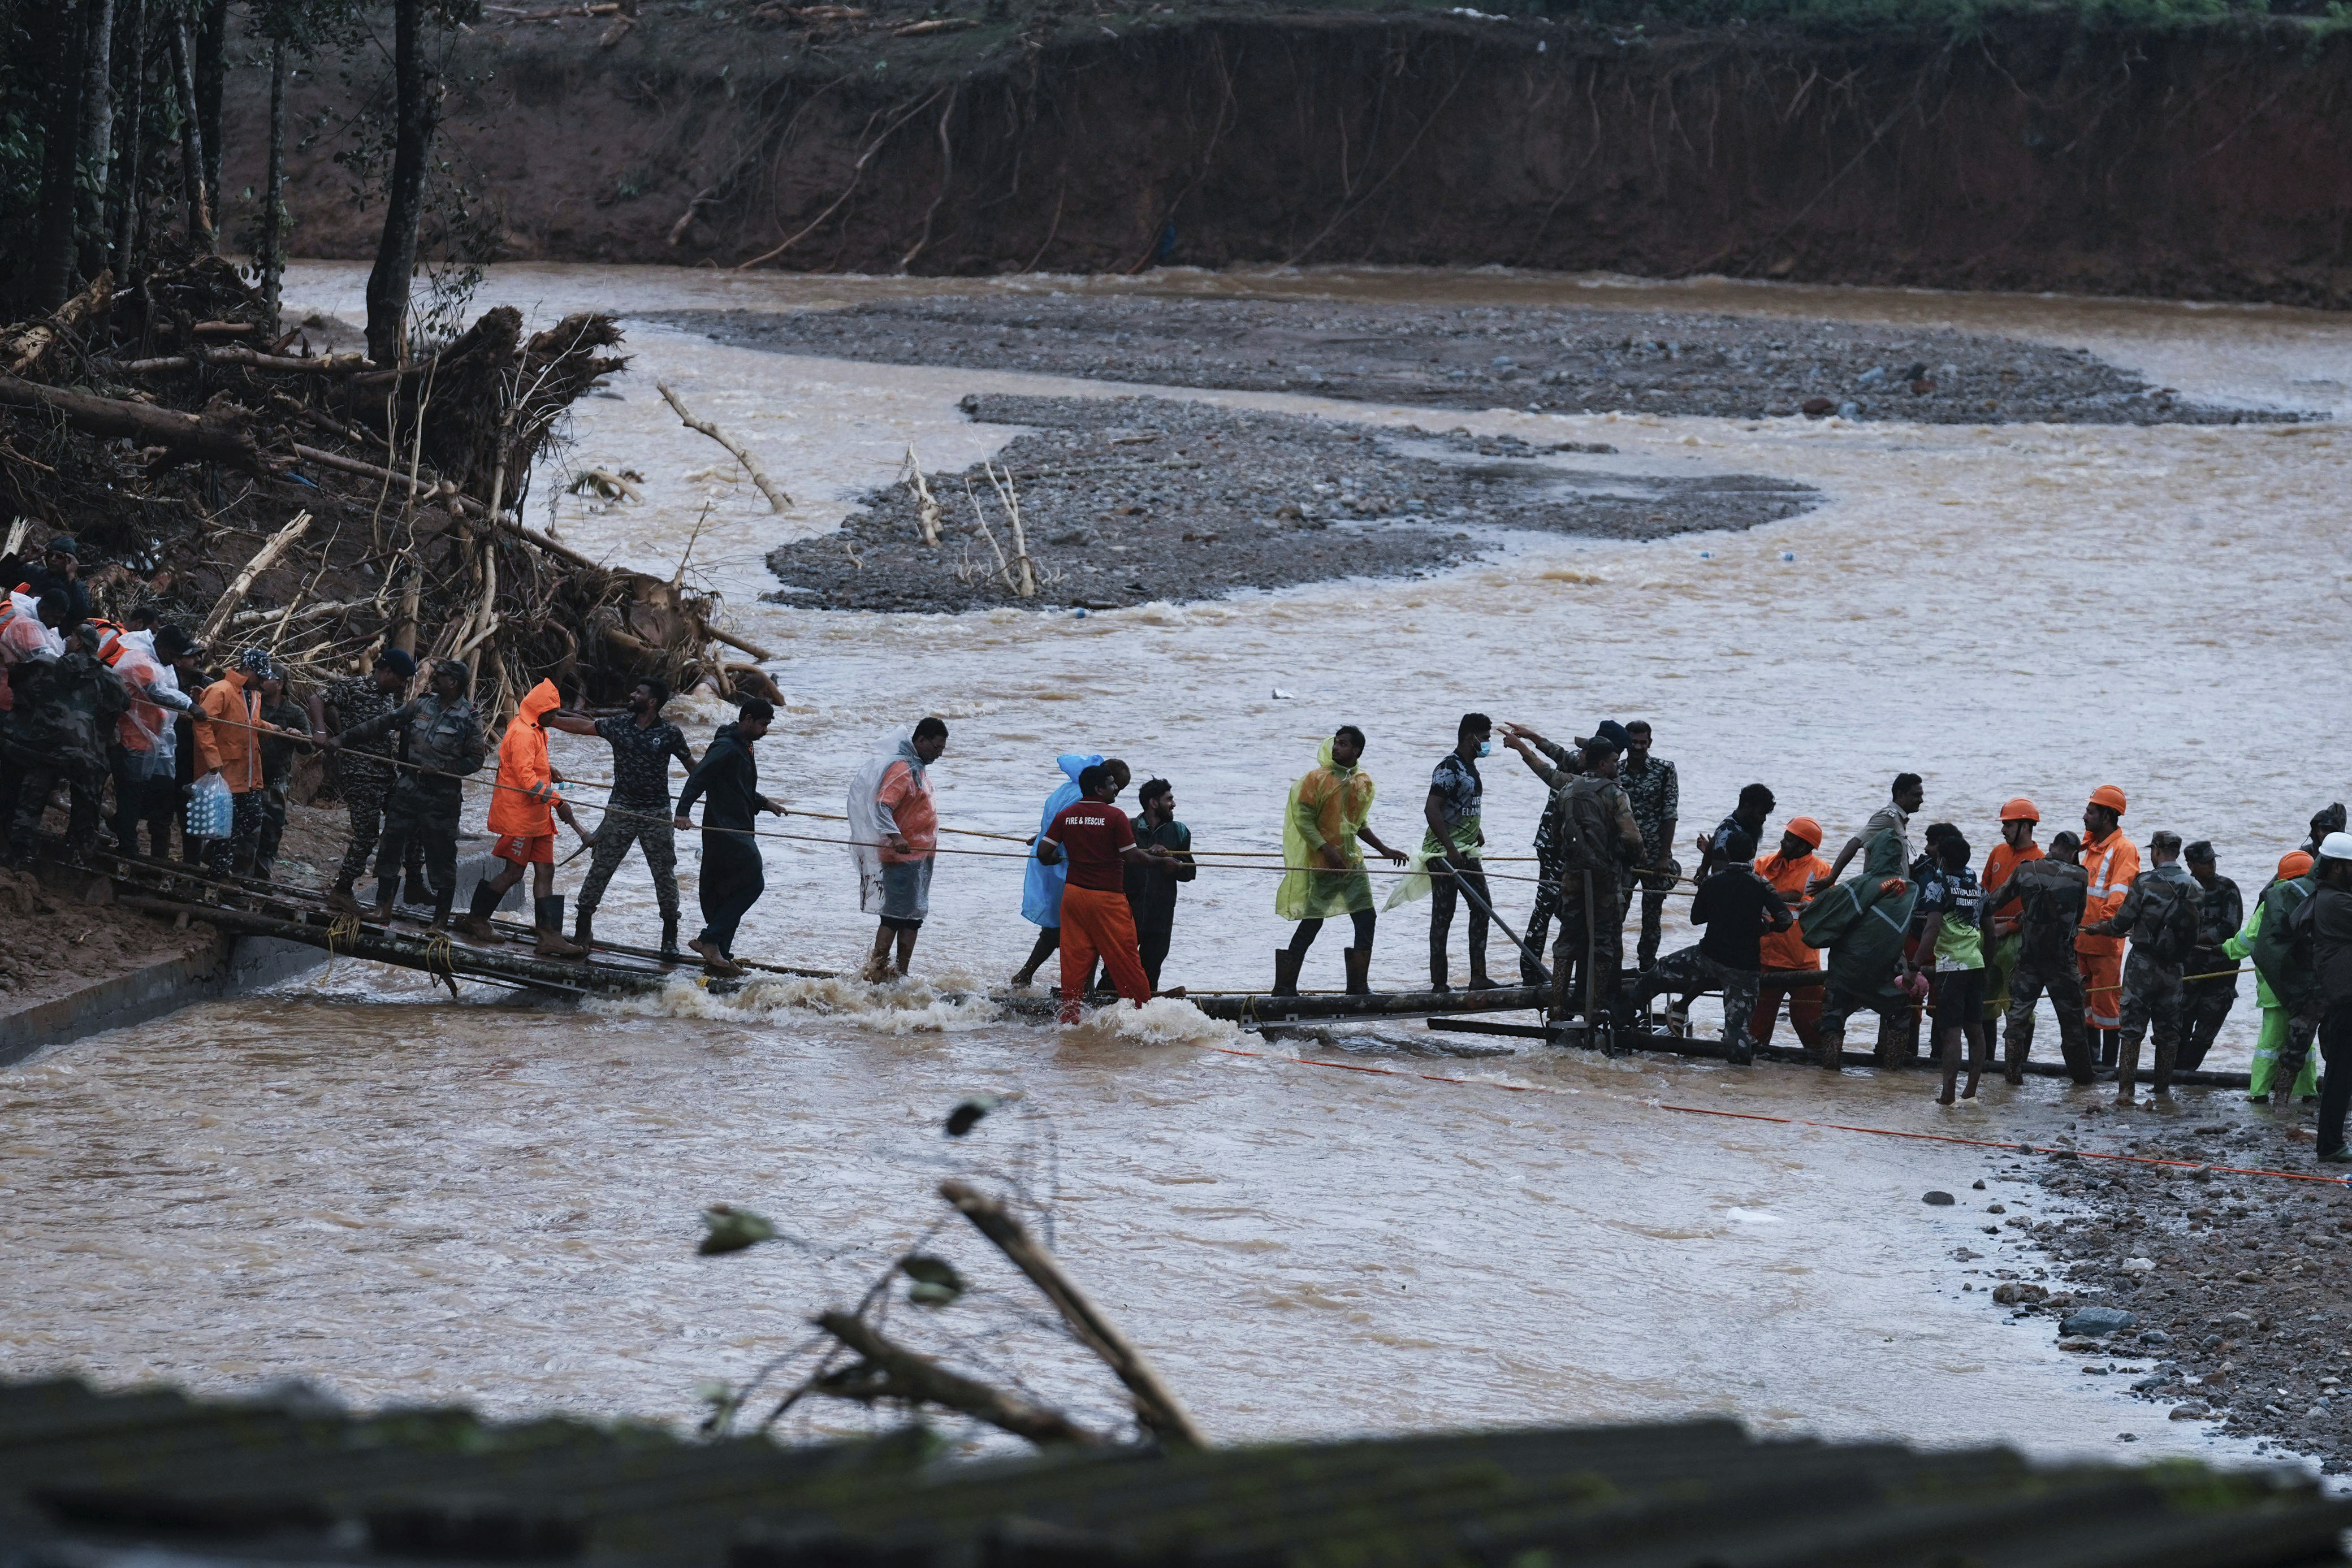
point(211, 811)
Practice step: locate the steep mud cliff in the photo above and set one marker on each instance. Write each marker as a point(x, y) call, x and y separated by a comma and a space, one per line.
point(2034, 155)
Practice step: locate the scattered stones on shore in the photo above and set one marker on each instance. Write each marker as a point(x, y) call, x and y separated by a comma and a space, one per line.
point(1481, 357)
point(2228, 1283)
point(1130, 500)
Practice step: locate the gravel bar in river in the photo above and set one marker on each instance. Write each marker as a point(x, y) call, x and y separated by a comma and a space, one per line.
point(1129, 500)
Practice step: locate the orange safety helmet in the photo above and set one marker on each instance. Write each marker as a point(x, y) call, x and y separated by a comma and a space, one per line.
point(2021, 810)
point(1806, 829)
point(2293, 864)
point(2110, 796)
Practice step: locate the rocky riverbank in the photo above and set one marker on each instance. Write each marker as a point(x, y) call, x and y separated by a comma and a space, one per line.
point(2232, 1278)
point(1126, 500)
point(1587, 361)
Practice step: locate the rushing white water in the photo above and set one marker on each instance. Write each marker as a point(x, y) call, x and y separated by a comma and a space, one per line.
point(406, 1199)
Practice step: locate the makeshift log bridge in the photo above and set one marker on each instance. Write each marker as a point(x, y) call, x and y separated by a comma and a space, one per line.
point(1660, 1041)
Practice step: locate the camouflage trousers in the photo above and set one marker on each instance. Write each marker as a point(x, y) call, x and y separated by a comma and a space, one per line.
point(1690, 970)
point(2063, 981)
point(2153, 998)
point(2209, 1003)
point(364, 795)
point(650, 832)
point(1590, 955)
point(223, 856)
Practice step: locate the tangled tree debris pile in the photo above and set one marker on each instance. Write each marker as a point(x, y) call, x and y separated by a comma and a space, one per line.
point(323, 505)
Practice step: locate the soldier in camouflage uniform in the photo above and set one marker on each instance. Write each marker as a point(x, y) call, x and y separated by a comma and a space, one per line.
point(638, 811)
point(1601, 841)
point(2160, 915)
point(2049, 894)
point(366, 777)
point(1558, 774)
point(1655, 792)
point(63, 738)
point(441, 742)
point(2219, 914)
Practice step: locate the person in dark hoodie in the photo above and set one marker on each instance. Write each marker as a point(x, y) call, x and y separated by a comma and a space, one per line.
point(728, 782)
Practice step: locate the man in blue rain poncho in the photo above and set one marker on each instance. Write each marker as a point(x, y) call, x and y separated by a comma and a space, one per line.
point(1041, 889)
point(1861, 922)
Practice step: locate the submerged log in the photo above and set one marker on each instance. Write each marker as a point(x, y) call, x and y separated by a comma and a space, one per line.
point(1256, 1007)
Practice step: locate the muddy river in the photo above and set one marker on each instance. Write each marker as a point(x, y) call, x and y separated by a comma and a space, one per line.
point(403, 1200)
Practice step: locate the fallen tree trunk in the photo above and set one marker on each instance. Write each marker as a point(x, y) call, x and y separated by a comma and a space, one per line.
point(188, 437)
point(889, 1371)
point(263, 559)
point(466, 504)
point(777, 500)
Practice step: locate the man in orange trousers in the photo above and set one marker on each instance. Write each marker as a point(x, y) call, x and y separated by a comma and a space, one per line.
point(1098, 840)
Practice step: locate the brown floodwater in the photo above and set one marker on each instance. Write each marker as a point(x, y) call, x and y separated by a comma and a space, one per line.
point(402, 1199)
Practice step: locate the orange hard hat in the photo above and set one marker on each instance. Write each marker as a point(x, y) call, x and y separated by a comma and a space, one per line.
point(2022, 810)
point(2293, 864)
point(2110, 796)
point(1806, 829)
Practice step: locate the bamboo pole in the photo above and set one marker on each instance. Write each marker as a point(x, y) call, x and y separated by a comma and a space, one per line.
point(777, 499)
point(263, 559)
point(1156, 1405)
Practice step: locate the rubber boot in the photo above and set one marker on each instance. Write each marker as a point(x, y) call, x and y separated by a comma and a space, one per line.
point(583, 927)
point(386, 889)
point(340, 900)
point(441, 903)
point(669, 940)
point(416, 892)
point(1360, 970)
point(552, 942)
point(1285, 971)
point(476, 924)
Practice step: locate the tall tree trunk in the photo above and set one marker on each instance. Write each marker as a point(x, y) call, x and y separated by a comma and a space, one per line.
point(192, 140)
point(212, 70)
point(273, 212)
point(395, 254)
point(130, 66)
point(53, 258)
point(96, 139)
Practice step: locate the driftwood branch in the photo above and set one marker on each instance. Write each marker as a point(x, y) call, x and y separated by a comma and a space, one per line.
point(889, 1371)
point(715, 635)
point(465, 504)
point(23, 346)
point(322, 364)
point(1156, 1405)
point(263, 559)
point(777, 499)
point(202, 437)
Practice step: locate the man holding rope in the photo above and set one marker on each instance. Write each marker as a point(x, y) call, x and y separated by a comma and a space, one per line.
point(638, 811)
point(442, 744)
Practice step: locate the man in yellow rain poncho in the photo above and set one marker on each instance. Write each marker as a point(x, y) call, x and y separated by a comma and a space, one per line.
point(1329, 814)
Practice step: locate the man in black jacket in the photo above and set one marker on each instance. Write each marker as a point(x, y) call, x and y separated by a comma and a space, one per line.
point(2322, 925)
point(728, 782)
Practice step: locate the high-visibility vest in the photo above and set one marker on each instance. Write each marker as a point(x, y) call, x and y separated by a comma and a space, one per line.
point(111, 634)
point(2111, 862)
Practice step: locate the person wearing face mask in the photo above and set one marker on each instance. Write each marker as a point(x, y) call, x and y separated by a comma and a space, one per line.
point(1449, 852)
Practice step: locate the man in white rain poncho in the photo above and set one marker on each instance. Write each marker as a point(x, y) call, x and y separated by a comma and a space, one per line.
point(1041, 887)
point(894, 838)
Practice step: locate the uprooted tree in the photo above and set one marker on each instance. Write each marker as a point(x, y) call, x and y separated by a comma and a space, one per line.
point(165, 427)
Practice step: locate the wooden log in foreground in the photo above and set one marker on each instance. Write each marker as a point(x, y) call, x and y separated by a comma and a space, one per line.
point(1156, 1405)
point(193, 437)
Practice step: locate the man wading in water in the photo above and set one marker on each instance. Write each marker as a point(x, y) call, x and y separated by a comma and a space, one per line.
point(1099, 842)
point(638, 811)
point(732, 874)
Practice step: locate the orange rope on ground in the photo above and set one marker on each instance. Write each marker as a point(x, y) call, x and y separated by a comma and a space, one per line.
point(1792, 1120)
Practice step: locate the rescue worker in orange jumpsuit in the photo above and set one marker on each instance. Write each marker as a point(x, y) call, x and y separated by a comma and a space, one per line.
point(2111, 861)
point(1791, 970)
point(523, 809)
point(2018, 818)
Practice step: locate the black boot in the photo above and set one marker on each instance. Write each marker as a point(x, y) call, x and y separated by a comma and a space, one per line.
point(583, 926)
point(386, 889)
point(552, 942)
point(1285, 971)
point(476, 923)
point(441, 903)
point(1359, 961)
point(417, 892)
point(669, 939)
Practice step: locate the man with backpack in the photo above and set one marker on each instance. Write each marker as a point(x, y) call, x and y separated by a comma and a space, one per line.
point(2284, 965)
point(2160, 913)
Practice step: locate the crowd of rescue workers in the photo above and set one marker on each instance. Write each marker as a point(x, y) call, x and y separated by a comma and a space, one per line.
point(2121, 948)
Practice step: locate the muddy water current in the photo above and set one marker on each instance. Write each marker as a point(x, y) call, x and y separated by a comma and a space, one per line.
point(402, 1199)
